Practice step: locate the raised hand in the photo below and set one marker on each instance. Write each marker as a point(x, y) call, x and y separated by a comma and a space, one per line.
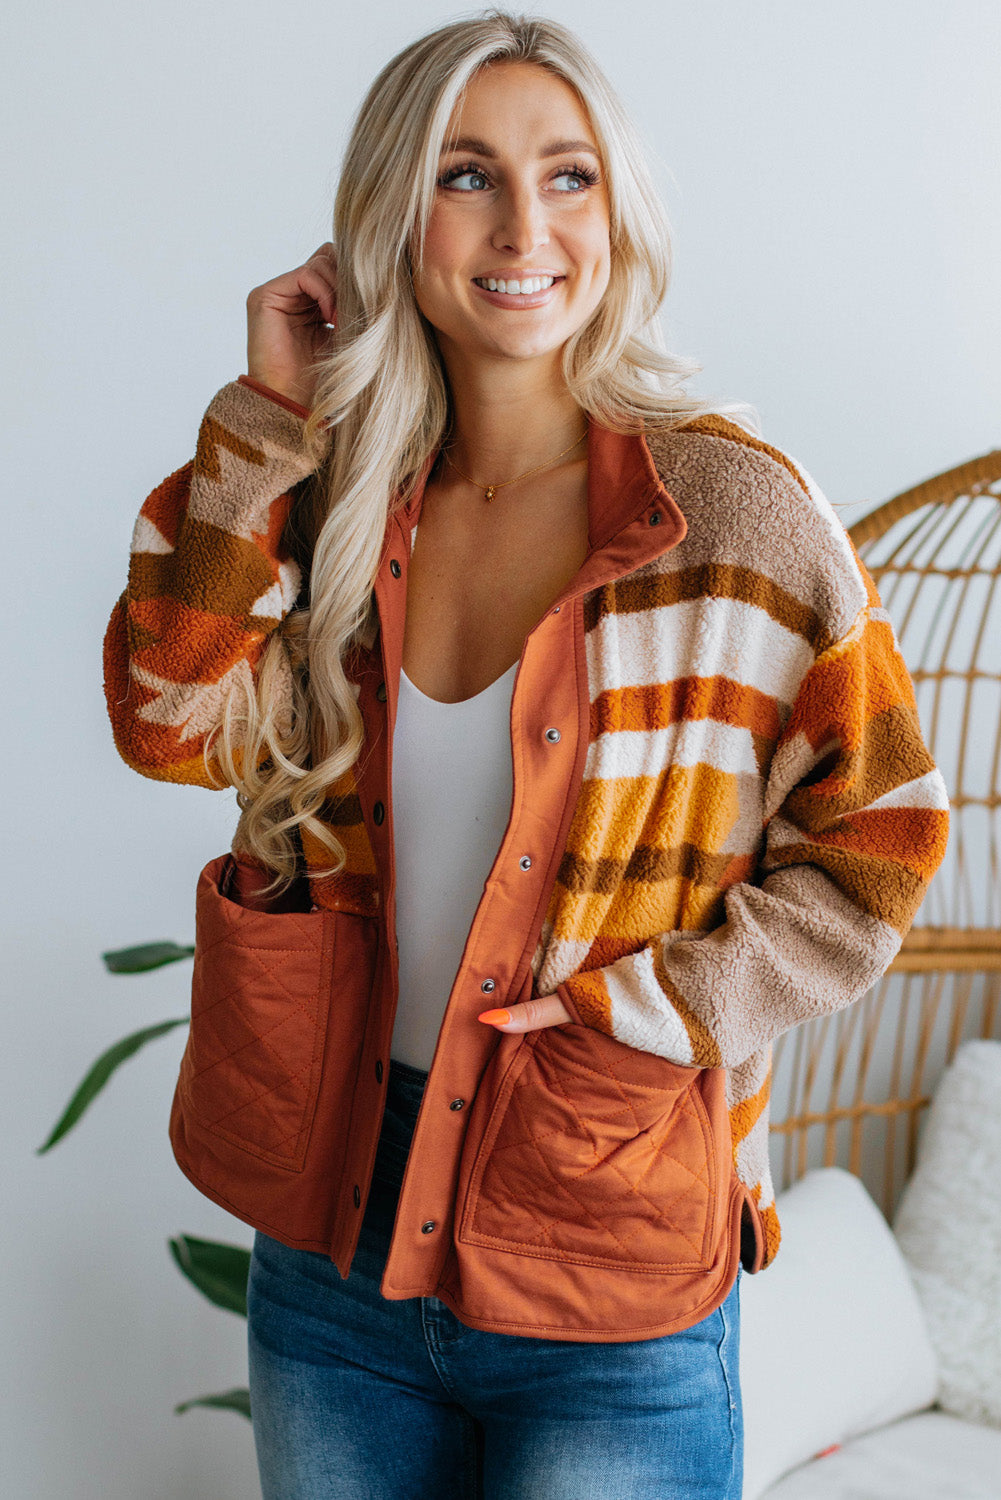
point(289, 325)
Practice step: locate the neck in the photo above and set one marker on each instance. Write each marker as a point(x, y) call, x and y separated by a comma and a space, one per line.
point(508, 416)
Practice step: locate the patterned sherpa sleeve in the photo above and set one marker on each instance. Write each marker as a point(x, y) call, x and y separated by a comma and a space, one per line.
point(856, 824)
point(208, 583)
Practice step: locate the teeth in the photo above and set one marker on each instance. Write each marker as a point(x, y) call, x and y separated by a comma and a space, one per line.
point(517, 288)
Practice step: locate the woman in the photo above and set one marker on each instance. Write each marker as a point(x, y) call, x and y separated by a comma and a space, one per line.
point(576, 762)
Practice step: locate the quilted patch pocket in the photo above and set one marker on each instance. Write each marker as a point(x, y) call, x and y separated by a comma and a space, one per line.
point(598, 1153)
point(260, 997)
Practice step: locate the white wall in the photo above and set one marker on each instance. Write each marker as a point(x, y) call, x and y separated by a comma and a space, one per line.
point(831, 173)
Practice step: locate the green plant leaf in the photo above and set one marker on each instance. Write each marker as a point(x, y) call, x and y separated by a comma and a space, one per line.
point(218, 1271)
point(99, 1074)
point(235, 1400)
point(145, 956)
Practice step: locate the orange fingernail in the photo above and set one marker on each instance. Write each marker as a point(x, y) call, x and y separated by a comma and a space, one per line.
point(495, 1017)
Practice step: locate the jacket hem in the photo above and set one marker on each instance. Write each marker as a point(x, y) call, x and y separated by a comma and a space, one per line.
point(577, 1335)
point(253, 1221)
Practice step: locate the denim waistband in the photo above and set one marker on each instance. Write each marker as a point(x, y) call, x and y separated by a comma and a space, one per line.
point(405, 1088)
point(404, 1091)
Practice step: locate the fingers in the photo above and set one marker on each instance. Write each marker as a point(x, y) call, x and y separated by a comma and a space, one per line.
point(319, 289)
point(530, 1015)
point(315, 281)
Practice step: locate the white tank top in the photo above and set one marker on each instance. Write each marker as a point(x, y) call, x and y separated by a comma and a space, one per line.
point(452, 784)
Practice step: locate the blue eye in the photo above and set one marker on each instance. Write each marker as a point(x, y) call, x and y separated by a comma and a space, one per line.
point(584, 177)
point(456, 174)
point(473, 178)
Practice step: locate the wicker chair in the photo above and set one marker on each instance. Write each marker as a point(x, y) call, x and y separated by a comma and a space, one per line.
point(849, 1090)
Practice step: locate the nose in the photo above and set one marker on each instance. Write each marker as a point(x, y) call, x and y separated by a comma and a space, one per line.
point(522, 226)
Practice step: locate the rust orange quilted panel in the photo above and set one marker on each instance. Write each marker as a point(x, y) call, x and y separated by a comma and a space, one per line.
point(259, 1001)
point(596, 1152)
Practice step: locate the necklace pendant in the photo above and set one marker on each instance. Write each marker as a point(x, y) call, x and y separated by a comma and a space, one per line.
point(488, 493)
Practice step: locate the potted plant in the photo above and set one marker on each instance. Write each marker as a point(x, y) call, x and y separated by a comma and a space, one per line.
point(218, 1270)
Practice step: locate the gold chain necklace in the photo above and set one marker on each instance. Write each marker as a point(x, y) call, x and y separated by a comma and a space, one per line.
point(490, 490)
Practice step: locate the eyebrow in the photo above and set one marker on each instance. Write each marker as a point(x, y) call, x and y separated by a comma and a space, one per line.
point(480, 148)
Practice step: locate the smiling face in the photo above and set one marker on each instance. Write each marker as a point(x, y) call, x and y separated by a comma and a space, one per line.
point(521, 198)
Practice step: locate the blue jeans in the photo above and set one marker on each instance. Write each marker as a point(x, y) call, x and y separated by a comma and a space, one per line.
point(355, 1397)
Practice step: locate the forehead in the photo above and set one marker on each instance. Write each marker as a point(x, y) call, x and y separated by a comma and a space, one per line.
point(508, 102)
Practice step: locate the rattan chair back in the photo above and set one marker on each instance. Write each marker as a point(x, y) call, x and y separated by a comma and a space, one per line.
point(850, 1089)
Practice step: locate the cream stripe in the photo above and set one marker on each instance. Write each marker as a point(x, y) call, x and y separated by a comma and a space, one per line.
point(282, 594)
point(752, 1159)
point(836, 533)
point(641, 1013)
point(191, 708)
point(629, 753)
point(697, 638)
point(926, 791)
point(790, 764)
point(148, 538)
point(563, 959)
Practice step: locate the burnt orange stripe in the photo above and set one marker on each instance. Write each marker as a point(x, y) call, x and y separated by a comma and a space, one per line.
point(652, 706)
point(202, 647)
point(212, 571)
point(342, 892)
point(911, 836)
point(850, 686)
point(166, 506)
point(211, 437)
point(772, 1232)
point(881, 888)
point(705, 1048)
point(890, 752)
point(646, 865)
point(590, 997)
point(606, 950)
point(746, 1114)
point(642, 591)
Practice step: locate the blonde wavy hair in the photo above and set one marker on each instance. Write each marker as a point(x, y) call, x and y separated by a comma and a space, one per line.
point(382, 404)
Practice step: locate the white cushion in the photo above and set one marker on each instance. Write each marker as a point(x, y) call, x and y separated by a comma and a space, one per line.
point(833, 1342)
point(928, 1457)
point(948, 1225)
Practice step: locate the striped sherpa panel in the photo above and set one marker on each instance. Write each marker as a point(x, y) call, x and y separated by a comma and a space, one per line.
point(759, 816)
point(207, 584)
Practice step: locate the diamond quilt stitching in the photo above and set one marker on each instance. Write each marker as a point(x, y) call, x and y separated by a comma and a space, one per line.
point(498, 1184)
point(270, 1123)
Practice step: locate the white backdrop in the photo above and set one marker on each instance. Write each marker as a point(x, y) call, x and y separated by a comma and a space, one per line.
point(831, 173)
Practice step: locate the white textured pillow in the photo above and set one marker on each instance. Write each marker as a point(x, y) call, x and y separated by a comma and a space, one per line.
point(948, 1225)
point(832, 1338)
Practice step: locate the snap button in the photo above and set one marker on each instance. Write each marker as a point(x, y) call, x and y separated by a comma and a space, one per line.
point(655, 518)
point(395, 568)
point(380, 692)
point(457, 1103)
point(552, 735)
point(378, 813)
point(525, 861)
point(357, 1196)
point(557, 610)
point(378, 1071)
point(428, 1226)
point(488, 986)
